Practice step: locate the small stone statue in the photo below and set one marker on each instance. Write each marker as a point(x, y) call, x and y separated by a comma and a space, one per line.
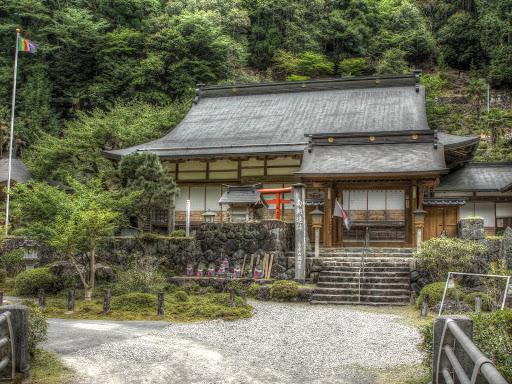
point(190, 271)
point(199, 272)
point(225, 264)
point(237, 271)
point(211, 271)
point(258, 272)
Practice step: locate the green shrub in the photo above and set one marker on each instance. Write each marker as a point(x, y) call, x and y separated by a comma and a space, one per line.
point(37, 328)
point(142, 275)
point(181, 296)
point(441, 255)
point(12, 261)
point(135, 302)
point(469, 299)
point(492, 334)
point(435, 293)
point(253, 290)
point(178, 233)
point(29, 282)
point(3, 275)
point(283, 290)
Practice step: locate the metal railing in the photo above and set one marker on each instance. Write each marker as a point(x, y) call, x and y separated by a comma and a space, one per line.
point(448, 366)
point(366, 245)
point(6, 347)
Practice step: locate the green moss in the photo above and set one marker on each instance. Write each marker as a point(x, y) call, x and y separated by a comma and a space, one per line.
point(134, 302)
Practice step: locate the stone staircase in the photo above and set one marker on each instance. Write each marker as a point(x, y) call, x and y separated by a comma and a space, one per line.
point(386, 278)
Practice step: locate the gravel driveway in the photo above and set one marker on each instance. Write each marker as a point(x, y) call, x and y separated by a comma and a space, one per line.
point(282, 343)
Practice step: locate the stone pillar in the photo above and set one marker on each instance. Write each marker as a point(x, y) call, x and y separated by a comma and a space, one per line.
point(19, 320)
point(466, 325)
point(299, 197)
point(471, 229)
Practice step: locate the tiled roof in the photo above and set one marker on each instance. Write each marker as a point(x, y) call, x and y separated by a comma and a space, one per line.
point(478, 177)
point(273, 118)
point(383, 159)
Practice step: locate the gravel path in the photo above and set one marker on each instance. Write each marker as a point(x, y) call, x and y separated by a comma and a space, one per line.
point(282, 343)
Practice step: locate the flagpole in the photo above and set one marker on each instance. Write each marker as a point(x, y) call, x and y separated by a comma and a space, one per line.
point(12, 130)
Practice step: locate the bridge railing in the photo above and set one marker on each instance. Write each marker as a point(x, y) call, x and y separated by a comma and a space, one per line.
point(454, 347)
point(7, 359)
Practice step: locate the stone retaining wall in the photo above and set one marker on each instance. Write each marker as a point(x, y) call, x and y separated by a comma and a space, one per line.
point(212, 243)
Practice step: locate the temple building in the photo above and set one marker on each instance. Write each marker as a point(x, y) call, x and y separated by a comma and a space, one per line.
point(364, 142)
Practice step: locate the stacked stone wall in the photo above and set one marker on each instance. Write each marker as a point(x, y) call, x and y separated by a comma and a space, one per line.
point(211, 244)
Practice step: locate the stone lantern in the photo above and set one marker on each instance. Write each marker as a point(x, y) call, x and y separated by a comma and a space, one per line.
point(419, 223)
point(30, 257)
point(317, 224)
point(209, 217)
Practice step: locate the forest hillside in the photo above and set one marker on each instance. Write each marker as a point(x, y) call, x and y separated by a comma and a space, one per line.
point(112, 74)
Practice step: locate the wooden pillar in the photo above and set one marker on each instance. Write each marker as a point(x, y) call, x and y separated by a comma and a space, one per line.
point(328, 229)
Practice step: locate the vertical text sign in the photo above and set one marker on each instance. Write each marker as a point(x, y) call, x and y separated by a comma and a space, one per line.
point(299, 194)
point(187, 224)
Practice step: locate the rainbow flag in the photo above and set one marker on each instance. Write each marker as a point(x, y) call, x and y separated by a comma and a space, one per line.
point(26, 45)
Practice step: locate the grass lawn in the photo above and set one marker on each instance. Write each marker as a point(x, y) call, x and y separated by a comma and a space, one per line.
point(47, 368)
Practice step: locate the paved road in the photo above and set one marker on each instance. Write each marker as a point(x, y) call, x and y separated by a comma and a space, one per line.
point(278, 351)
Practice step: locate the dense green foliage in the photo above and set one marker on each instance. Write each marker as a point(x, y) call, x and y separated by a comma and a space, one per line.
point(441, 255)
point(435, 294)
point(134, 302)
point(70, 222)
point(3, 275)
point(29, 282)
point(95, 58)
point(12, 261)
point(144, 174)
point(492, 334)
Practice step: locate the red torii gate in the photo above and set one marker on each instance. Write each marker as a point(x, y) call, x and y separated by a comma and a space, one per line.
point(278, 200)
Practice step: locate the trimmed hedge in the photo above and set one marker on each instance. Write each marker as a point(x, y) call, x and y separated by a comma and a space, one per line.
point(435, 293)
point(284, 290)
point(29, 282)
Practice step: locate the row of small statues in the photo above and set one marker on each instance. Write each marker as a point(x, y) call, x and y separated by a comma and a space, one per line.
point(224, 271)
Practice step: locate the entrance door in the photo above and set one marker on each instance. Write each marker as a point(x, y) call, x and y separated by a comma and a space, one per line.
point(383, 211)
point(440, 219)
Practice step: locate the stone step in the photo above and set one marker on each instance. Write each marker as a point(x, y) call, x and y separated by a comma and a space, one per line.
point(367, 268)
point(359, 250)
point(370, 256)
point(364, 285)
point(366, 279)
point(364, 292)
point(320, 302)
point(366, 274)
point(367, 262)
point(391, 300)
point(380, 260)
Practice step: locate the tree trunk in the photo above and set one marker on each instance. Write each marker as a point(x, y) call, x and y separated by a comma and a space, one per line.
point(88, 293)
point(92, 264)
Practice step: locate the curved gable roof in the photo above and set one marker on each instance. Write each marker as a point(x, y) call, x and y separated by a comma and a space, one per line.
point(273, 118)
